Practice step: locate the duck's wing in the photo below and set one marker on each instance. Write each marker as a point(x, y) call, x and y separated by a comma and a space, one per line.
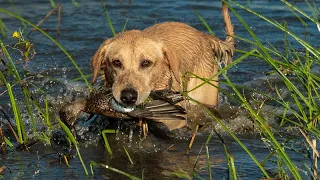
point(169, 96)
point(159, 110)
point(70, 111)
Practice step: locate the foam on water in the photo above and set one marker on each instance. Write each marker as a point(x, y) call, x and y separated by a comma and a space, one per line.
point(233, 114)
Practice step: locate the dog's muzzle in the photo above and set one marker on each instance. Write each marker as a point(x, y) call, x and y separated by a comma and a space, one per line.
point(128, 96)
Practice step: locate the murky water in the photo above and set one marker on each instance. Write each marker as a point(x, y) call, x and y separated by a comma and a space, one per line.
point(84, 28)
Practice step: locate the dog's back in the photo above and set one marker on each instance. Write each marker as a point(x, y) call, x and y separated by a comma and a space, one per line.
point(197, 53)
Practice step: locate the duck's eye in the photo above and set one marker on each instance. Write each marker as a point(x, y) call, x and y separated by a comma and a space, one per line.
point(146, 63)
point(116, 63)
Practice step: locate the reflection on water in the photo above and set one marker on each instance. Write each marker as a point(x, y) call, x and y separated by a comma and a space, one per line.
point(82, 31)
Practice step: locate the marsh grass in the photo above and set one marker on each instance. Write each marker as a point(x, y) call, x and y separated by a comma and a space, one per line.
point(30, 101)
point(53, 4)
point(15, 108)
point(128, 155)
point(105, 139)
point(12, 68)
point(58, 9)
point(53, 40)
point(232, 171)
point(305, 98)
point(74, 142)
point(3, 29)
point(22, 138)
point(92, 164)
point(304, 101)
point(108, 18)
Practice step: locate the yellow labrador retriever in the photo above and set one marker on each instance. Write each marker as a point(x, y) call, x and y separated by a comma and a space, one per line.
point(137, 62)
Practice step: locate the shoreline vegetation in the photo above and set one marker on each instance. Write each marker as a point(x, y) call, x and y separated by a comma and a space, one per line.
point(300, 109)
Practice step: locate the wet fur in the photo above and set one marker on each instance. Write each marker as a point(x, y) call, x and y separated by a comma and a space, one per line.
point(174, 49)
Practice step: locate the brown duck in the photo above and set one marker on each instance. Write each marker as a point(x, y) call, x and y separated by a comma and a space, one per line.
point(159, 105)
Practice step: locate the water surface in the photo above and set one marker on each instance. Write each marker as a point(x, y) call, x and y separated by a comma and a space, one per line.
point(85, 27)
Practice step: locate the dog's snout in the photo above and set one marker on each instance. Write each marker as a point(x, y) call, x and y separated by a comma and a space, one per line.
point(129, 96)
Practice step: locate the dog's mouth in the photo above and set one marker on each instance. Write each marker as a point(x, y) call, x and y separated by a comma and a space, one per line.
point(120, 107)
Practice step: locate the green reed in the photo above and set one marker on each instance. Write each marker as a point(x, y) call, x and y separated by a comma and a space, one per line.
point(15, 108)
point(92, 163)
point(114, 33)
point(73, 1)
point(73, 141)
point(109, 19)
point(182, 175)
point(16, 11)
point(8, 142)
point(232, 172)
point(128, 155)
point(14, 72)
point(52, 3)
point(11, 67)
point(306, 98)
point(53, 40)
point(46, 115)
point(3, 28)
point(261, 121)
point(204, 22)
point(208, 154)
point(104, 132)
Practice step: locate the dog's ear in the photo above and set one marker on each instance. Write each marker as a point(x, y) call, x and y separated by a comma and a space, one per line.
point(99, 59)
point(174, 62)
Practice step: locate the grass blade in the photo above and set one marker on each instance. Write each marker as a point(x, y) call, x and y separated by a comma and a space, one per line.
point(104, 132)
point(128, 155)
point(73, 141)
point(108, 18)
point(204, 23)
point(53, 40)
point(119, 171)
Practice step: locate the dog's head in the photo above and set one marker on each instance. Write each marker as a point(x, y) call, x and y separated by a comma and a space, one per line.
point(134, 65)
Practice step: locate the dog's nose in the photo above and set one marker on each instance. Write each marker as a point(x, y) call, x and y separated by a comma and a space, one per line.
point(129, 96)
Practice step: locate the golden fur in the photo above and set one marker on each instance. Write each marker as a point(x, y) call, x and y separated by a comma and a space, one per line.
point(152, 58)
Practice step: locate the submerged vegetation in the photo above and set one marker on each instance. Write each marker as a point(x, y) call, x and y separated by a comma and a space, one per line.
point(296, 97)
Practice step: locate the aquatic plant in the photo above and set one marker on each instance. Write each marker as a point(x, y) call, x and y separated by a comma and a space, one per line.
point(300, 111)
point(3, 29)
point(53, 40)
point(104, 132)
point(74, 142)
point(26, 49)
point(10, 65)
point(305, 100)
point(92, 164)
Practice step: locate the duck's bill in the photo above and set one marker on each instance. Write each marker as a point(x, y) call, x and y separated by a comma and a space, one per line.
point(120, 108)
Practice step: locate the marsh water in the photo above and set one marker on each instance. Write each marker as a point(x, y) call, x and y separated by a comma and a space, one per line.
point(85, 27)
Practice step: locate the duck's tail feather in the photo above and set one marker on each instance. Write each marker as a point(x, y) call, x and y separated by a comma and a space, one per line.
point(158, 110)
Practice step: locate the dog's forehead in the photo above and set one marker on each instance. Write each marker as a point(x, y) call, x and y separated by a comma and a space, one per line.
point(135, 45)
point(148, 47)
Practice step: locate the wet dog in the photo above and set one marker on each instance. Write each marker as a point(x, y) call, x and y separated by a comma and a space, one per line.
point(136, 62)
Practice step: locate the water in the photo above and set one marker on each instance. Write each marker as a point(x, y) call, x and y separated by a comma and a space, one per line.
point(84, 28)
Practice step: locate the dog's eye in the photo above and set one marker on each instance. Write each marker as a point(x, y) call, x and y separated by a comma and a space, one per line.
point(116, 63)
point(146, 63)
